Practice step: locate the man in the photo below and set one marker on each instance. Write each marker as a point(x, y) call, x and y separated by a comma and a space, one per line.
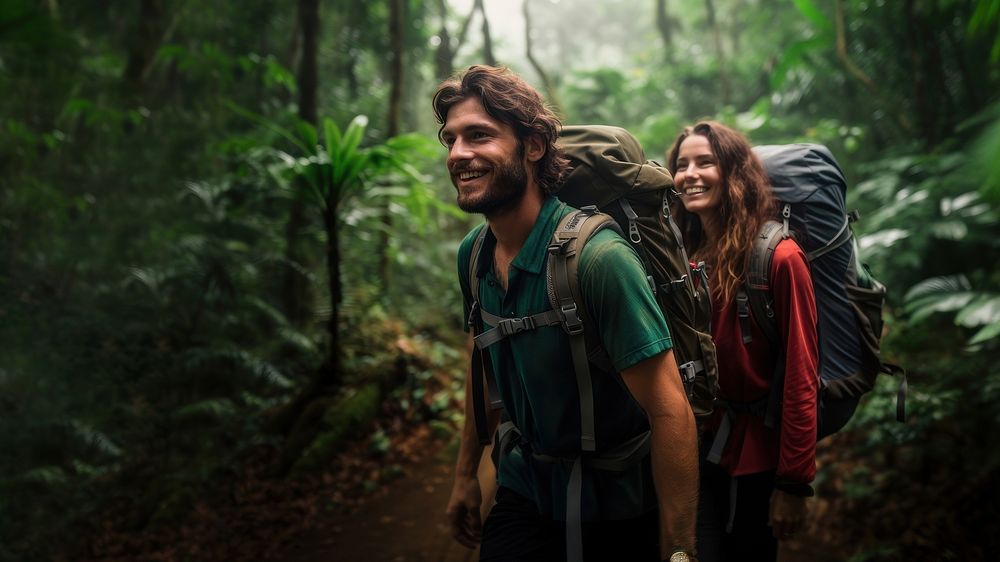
point(504, 164)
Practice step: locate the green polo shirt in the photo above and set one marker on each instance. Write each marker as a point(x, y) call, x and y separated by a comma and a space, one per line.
point(534, 370)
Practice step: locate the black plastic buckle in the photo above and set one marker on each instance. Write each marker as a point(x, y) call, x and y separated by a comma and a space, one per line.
point(510, 326)
point(559, 247)
point(571, 320)
point(670, 286)
point(473, 315)
point(742, 306)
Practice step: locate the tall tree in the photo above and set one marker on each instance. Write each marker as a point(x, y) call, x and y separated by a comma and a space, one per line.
point(144, 45)
point(857, 73)
point(444, 56)
point(396, 38)
point(550, 90)
point(725, 87)
point(665, 25)
point(488, 57)
point(295, 285)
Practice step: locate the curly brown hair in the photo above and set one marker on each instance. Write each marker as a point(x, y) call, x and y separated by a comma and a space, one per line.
point(747, 202)
point(507, 98)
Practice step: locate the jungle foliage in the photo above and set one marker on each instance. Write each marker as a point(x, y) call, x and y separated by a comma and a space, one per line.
point(167, 166)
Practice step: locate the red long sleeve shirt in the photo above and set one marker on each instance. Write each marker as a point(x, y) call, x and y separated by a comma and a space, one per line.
point(745, 372)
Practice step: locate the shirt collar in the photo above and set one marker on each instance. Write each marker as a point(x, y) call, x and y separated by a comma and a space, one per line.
point(532, 256)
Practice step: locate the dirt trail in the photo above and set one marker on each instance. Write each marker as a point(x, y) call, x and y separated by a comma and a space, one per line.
point(404, 522)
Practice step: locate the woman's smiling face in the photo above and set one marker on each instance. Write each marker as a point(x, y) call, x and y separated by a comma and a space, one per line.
point(698, 179)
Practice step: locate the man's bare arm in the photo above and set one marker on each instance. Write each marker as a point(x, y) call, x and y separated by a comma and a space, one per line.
point(466, 495)
point(656, 385)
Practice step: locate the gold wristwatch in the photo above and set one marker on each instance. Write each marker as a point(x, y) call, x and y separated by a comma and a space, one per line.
point(681, 556)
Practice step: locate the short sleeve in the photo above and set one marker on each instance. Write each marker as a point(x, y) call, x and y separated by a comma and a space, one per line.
point(620, 301)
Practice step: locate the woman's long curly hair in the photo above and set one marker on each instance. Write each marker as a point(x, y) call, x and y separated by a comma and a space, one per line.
point(747, 202)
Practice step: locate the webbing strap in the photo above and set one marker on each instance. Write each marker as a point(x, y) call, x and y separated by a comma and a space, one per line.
point(565, 246)
point(757, 408)
point(733, 489)
point(689, 371)
point(506, 435)
point(893, 369)
point(721, 436)
point(574, 513)
point(478, 401)
point(670, 287)
point(757, 287)
point(621, 458)
point(743, 311)
point(843, 235)
point(481, 369)
point(633, 226)
point(506, 327)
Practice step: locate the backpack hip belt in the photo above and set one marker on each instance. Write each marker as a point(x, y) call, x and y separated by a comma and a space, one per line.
point(618, 459)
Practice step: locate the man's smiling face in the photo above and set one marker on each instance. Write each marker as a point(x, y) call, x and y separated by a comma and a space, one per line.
point(486, 160)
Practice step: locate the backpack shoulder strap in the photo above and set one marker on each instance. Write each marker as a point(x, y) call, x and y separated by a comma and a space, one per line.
point(758, 297)
point(755, 295)
point(474, 257)
point(480, 368)
point(568, 240)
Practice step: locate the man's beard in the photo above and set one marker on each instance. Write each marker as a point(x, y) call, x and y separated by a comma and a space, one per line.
point(504, 191)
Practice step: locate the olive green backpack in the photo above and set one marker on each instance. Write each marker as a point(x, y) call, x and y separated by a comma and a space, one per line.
point(613, 186)
point(610, 172)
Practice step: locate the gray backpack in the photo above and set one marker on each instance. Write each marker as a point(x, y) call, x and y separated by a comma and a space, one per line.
point(811, 189)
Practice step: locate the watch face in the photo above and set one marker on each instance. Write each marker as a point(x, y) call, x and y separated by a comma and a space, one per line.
point(680, 557)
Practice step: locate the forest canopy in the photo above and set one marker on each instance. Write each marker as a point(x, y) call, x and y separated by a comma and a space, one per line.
point(225, 224)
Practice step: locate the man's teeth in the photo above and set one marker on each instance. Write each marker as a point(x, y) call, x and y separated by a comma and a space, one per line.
point(470, 175)
point(694, 190)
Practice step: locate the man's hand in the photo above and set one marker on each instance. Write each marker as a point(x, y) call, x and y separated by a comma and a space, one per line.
point(787, 515)
point(463, 511)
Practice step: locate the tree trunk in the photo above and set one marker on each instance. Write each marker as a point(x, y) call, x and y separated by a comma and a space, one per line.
point(725, 88)
point(859, 74)
point(665, 26)
point(144, 45)
point(488, 57)
point(444, 55)
point(396, 36)
point(550, 90)
point(295, 285)
point(308, 75)
point(330, 373)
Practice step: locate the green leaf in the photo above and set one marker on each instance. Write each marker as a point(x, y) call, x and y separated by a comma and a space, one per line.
point(332, 134)
point(44, 475)
point(924, 307)
point(794, 55)
point(353, 135)
point(937, 285)
point(268, 123)
point(308, 134)
point(949, 230)
point(985, 309)
point(215, 409)
point(987, 333)
point(813, 14)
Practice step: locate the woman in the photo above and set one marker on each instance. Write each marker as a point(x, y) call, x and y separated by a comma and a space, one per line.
point(756, 493)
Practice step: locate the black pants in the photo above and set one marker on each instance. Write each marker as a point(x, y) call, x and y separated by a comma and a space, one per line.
point(514, 531)
point(751, 537)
